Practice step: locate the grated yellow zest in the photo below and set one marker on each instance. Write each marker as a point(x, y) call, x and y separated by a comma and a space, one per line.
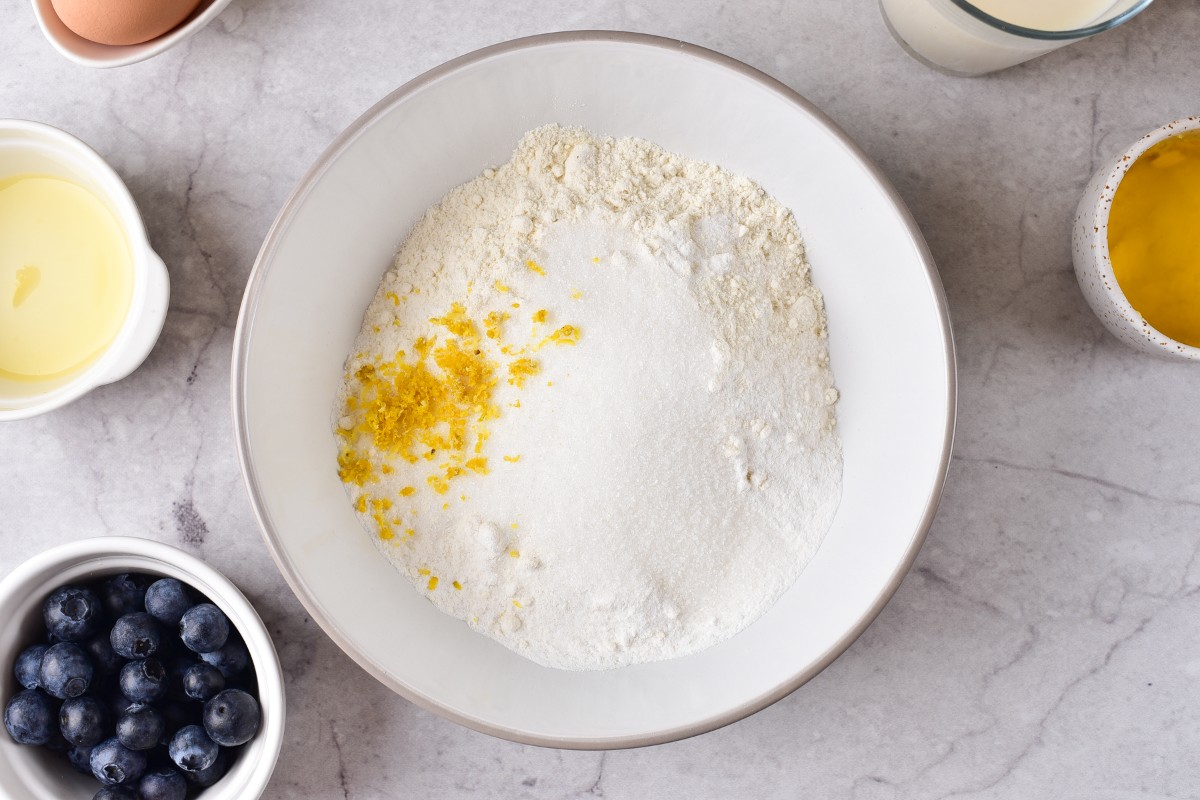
point(354, 468)
point(520, 369)
point(412, 411)
point(535, 267)
point(433, 582)
point(432, 404)
point(514, 553)
point(500, 287)
point(514, 526)
point(395, 298)
point(493, 323)
point(422, 571)
point(517, 603)
point(567, 334)
point(576, 294)
point(457, 585)
point(409, 532)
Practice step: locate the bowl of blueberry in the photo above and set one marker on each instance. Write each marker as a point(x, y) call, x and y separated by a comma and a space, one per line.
point(134, 671)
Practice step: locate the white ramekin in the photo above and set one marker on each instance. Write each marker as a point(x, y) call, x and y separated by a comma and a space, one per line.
point(1093, 266)
point(33, 773)
point(31, 147)
point(93, 54)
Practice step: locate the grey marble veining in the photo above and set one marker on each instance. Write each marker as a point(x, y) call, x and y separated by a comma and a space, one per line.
point(1046, 643)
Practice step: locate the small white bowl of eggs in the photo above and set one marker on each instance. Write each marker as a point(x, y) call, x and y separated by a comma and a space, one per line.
point(115, 33)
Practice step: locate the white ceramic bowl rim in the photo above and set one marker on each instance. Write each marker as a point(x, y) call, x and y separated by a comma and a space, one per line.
point(258, 277)
point(151, 284)
point(1099, 234)
point(120, 551)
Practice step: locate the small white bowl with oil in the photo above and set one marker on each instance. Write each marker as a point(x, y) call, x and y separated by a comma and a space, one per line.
point(1141, 314)
point(120, 309)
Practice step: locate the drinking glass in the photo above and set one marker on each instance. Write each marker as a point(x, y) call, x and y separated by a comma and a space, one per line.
point(960, 38)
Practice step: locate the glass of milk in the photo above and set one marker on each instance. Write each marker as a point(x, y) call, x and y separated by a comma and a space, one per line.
point(980, 36)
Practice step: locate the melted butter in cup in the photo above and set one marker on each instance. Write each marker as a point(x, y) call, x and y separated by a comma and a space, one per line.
point(1136, 246)
point(1154, 236)
point(66, 277)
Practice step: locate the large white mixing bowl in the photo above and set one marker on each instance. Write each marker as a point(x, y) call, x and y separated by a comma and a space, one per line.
point(890, 343)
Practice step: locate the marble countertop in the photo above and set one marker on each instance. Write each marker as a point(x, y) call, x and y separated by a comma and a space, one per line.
point(1045, 644)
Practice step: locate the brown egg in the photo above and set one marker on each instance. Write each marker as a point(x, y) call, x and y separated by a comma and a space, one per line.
point(122, 21)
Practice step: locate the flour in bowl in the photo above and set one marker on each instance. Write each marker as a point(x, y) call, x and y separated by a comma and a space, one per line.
point(590, 411)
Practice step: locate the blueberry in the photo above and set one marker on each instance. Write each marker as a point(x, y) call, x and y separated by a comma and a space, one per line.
point(66, 671)
point(231, 659)
point(177, 666)
point(31, 717)
point(207, 777)
point(202, 682)
point(115, 701)
point(232, 718)
point(123, 594)
point(192, 750)
point(115, 793)
point(163, 784)
point(135, 636)
point(141, 727)
point(113, 763)
point(166, 600)
point(181, 713)
point(72, 614)
point(29, 665)
point(144, 681)
point(203, 628)
point(104, 659)
point(80, 759)
point(82, 721)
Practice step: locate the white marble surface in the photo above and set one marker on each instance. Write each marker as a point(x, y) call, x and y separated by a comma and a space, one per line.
point(1045, 645)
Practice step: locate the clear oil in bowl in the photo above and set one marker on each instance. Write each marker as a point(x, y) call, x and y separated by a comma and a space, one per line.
point(66, 278)
point(1154, 236)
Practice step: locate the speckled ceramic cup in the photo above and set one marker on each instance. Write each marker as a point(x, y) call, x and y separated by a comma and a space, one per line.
point(1093, 266)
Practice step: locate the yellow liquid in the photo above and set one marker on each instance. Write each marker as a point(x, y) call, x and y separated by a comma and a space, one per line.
point(1154, 236)
point(66, 277)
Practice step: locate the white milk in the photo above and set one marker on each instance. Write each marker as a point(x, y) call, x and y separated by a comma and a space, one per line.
point(940, 32)
point(1047, 15)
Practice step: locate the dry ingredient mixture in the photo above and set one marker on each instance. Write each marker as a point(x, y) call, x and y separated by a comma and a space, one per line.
point(590, 410)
